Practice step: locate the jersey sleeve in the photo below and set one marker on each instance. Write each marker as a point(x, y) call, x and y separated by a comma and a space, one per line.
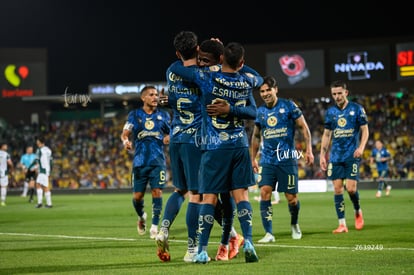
point(245, 112)
point(188, 73)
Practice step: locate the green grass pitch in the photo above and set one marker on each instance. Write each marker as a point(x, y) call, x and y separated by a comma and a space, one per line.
point(96, 234)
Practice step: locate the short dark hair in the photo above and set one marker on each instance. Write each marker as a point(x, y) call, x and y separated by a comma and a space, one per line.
point(147, 87)
point(270, 81)
point(41, 138)
point(233, 54)
point(339, 84)
point(213, 47)
point(186, 42)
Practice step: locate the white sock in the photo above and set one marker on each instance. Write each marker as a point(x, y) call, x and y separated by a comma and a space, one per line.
point(3, 193)
point(276, 195)
point(25, 188)
point(233, 232)
point(48, 197)
point(154, 227)
point(39, 192)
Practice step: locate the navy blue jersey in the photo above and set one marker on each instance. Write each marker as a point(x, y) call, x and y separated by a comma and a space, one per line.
point(345, 126)
point(377, 155)
point(148, 131)
point(226, 131)
point(184, 99)
point(277, 126)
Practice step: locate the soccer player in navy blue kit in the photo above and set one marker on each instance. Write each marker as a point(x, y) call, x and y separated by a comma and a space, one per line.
point(380, 155)
point(346, 123)
point(185, 155)
point(149, 127)
point(225, 154)
point(276, 122)
point(210, 53)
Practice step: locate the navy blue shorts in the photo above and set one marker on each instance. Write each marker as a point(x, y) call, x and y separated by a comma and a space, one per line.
point(224, 170)
point(155, 176)
point(185, 163)
point(286, 176)
point(344, 170)
point(383, 174)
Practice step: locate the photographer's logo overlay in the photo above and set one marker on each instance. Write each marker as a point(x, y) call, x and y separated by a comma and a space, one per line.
point(71, 99)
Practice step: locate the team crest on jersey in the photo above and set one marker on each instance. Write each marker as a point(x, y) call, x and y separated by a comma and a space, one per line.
point(352, 113)
point(282, 110)
point(342, 122)
point(271, 121)
point(149, 124)
point(223, 136)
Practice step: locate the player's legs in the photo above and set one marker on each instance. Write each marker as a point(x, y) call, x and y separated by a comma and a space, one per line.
point(156, 211)
point(176, 198)
point(32, 188)
point(191, 219)
point(4, 182)
point(351, 175)
point(266, 213)
point(206, 221)
point(215, 173)
point(336, 172)
point(42, 188)
point(267, 183)
point(157, 181)
point(227, 216)
point(339, 205)
point(385, 185)
point(294, 207)
point(25, 188)
point(185, 159)
point(289, 184)
point(139, 179)
point(191, 157)
point(245, 212)
point(242, 179)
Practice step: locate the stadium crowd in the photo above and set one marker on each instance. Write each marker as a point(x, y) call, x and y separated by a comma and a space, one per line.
point(89, 153)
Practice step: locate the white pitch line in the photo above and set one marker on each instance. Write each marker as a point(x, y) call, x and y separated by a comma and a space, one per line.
point(185, 241)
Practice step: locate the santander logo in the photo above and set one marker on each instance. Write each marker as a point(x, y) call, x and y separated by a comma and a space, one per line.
point(15, 77)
